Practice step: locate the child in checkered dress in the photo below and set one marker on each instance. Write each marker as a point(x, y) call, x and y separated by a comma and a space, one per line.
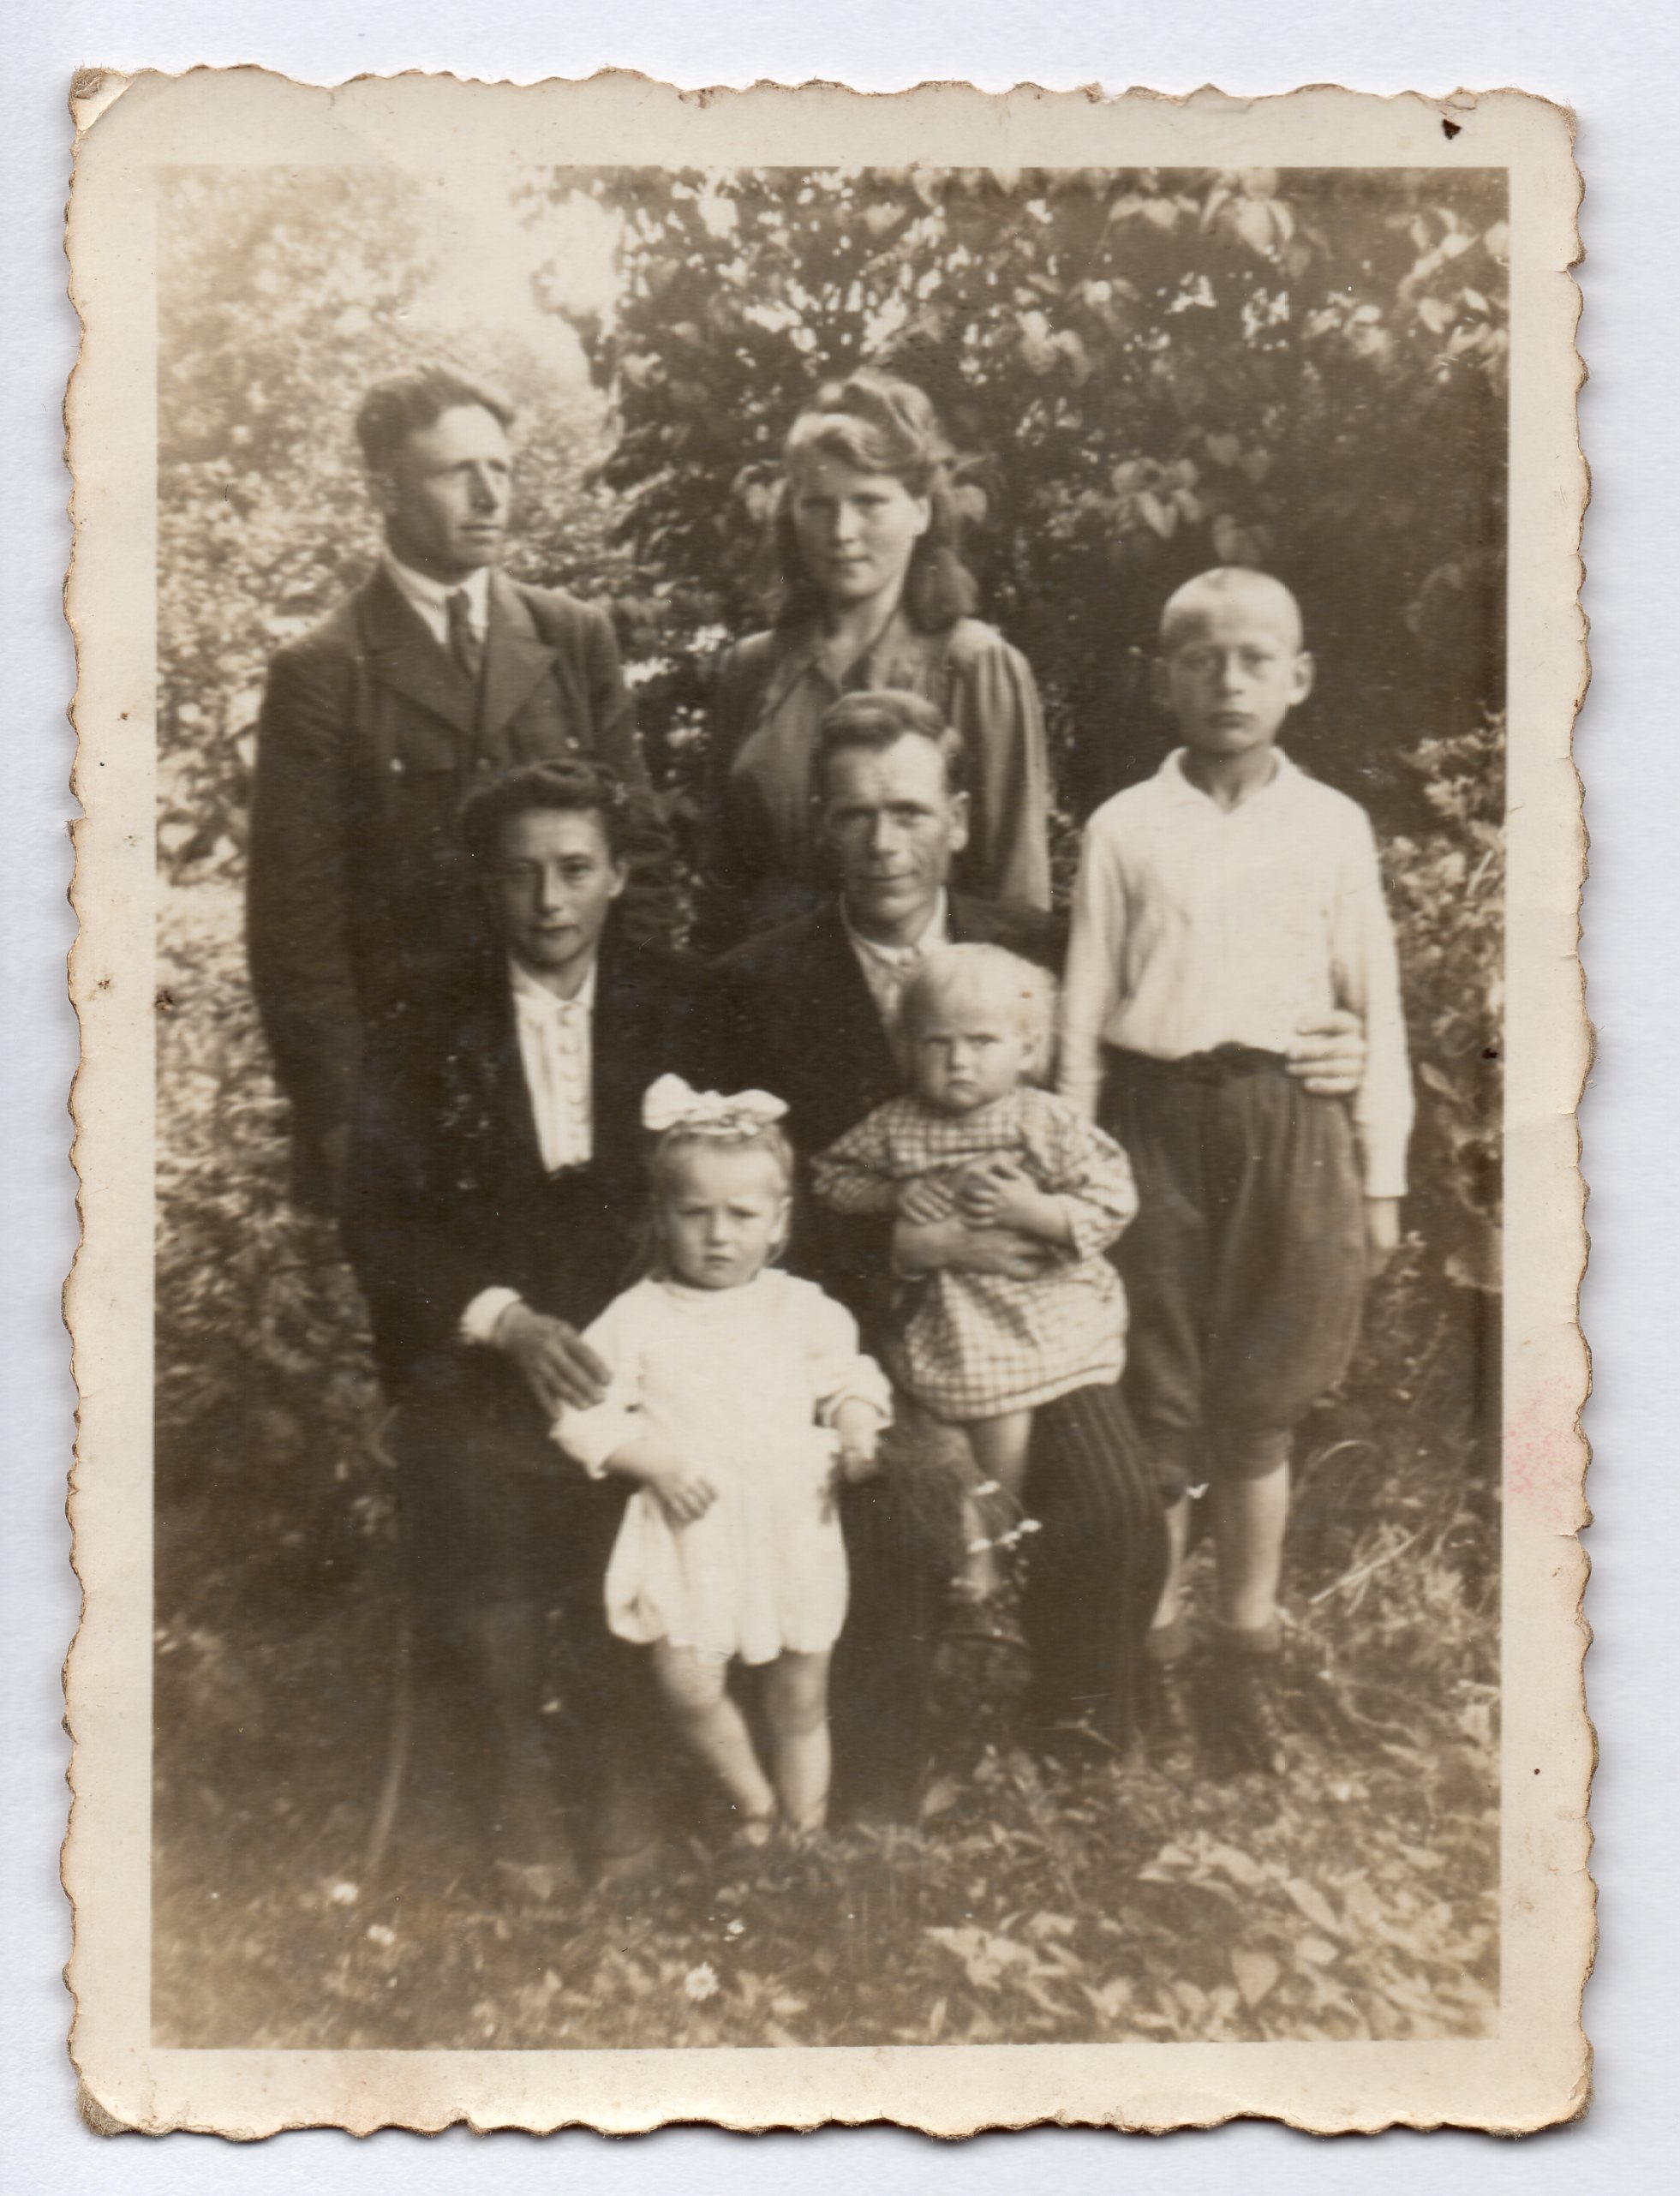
point(977, 1139)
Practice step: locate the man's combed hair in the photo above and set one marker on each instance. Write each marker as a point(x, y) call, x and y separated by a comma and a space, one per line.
point(408, 403)
point(879, 720)
point(569, 787)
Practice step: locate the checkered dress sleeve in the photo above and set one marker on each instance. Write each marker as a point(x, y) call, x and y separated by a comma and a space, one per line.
point(856, 1174)
point(1087, 1170)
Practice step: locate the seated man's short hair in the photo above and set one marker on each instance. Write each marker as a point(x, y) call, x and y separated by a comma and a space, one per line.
point(879, 720)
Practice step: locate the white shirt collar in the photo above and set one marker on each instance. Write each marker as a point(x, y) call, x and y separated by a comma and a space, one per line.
point(534, 997)
point(1182, 793)
point(937, 933)
point(431, 596)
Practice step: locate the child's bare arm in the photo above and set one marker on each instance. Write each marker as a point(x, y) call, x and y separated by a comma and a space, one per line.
point(684, 1492)
point(857, 1423)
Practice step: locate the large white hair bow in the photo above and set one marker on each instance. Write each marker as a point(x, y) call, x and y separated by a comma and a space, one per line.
point(670, 1103)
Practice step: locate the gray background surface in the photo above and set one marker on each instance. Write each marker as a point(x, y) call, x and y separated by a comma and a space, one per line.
point(1616, 62)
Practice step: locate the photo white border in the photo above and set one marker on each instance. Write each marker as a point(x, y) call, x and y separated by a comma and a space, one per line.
point(1617, 68)
point(1532, 2070)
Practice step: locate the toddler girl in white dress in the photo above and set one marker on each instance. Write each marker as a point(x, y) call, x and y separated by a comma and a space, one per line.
point(736, 1394)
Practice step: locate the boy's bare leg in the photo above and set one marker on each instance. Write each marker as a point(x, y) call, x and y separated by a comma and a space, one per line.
point(796, 1707)
point(697, 1694)
point(1000, 1447)
point(1251, 1512)
point(1249, 1518)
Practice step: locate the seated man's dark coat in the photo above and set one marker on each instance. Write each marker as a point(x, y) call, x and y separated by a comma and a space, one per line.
point(795, 1016)
point(798, 1018)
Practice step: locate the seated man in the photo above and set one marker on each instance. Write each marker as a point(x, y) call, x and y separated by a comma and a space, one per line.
point(494, 1199)
point(809, 1011)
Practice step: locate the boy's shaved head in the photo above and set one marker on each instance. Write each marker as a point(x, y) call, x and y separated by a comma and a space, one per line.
point(1227, 586)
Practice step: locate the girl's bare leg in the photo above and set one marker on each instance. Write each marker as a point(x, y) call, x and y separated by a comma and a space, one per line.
point(796, 1705)
point(697, 1694)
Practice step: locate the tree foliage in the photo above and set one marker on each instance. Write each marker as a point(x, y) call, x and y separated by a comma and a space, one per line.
point(283, 295)
point(1144, 371)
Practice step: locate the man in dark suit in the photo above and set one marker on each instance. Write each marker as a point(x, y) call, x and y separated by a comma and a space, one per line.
point(494, 1194)
point(435, 672)
point(808, 1012)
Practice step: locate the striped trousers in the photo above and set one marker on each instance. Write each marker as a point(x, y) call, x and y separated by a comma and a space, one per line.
point(1094, 1575)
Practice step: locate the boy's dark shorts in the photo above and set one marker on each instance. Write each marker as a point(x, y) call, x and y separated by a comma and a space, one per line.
point(1244, 1268)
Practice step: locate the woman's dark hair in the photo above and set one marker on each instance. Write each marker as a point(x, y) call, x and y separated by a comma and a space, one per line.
point(572, 788)
point(408, 403)
point(875, 423)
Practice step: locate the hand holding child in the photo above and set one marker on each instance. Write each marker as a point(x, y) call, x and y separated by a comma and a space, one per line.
point(998, 1193)
point(560, 1368)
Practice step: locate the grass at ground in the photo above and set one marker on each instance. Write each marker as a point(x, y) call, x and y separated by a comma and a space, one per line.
point(1353, 1898)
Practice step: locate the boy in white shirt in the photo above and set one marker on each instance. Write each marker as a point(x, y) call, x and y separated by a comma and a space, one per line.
point(1220, 905)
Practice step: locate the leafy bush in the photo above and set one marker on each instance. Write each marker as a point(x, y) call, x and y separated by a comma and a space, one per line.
point(1145, 373)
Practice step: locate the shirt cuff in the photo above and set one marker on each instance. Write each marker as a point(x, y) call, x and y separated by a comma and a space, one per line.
point(478, 1321)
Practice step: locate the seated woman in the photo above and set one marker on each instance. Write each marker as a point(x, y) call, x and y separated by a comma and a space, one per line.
point(874, 596)
point(495, 1195)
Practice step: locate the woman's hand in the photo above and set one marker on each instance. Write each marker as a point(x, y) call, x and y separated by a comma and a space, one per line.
point(560, 1369)
point(1327, 1053)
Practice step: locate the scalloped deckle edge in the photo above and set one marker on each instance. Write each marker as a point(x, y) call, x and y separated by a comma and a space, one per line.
point(1535, 2070)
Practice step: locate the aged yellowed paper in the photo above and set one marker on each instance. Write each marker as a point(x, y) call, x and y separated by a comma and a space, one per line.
point(828, 904)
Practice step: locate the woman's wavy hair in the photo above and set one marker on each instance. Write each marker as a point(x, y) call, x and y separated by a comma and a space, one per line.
point(874, 422)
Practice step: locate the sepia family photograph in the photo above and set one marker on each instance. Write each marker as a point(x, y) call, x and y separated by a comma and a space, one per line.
point(829, 1047)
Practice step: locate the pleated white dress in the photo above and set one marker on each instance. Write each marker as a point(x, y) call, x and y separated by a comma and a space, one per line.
point(744, 1383)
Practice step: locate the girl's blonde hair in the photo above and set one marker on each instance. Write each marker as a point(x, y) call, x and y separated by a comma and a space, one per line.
point(1029, 989)
point(667, 1158)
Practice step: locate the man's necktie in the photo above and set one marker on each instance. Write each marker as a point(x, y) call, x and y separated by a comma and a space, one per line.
point(464, 644)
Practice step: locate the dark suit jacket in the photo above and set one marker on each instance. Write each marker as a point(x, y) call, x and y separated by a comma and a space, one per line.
point(369, 738)
point(794, 1016)
point(448, 1194)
